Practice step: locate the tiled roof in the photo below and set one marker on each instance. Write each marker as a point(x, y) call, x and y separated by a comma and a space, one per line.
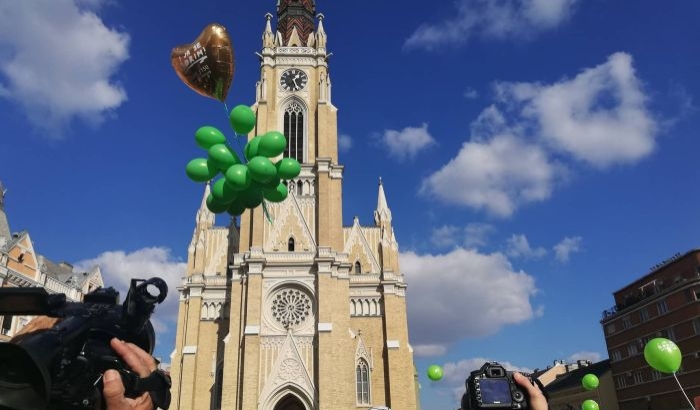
point(574, 377)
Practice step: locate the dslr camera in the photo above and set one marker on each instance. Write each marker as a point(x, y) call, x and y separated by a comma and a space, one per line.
point(61, 368)
point(492, 387)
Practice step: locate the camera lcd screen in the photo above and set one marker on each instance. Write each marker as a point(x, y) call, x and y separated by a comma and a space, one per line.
point(494, 391)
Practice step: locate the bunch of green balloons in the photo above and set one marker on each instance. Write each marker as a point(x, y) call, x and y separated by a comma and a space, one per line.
point(242, 185)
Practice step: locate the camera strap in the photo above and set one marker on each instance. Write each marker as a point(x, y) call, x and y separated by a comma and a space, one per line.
point(157, 384)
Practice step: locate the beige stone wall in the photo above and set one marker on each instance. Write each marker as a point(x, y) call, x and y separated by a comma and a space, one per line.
point(402, 389)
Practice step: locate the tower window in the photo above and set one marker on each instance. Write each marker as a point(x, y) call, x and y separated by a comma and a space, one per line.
point(294, 131)
point(358, 267)
point(362, 376)
point(6, 325)
point(290, 245)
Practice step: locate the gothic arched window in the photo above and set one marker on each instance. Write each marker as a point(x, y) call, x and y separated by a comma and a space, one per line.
point(362, 377)
point(294, 131)
point(358, 267)
point(290, 245)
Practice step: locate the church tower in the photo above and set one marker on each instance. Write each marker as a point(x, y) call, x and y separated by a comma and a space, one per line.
point(291, 310)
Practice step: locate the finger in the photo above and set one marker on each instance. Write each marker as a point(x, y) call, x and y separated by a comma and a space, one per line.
point(113, 391)
point(144, 356)
point(129, 355)
point(525, 383)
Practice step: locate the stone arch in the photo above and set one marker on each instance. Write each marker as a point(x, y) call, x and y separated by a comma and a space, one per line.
point(288, 397)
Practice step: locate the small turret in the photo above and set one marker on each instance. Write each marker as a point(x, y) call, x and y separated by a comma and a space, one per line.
point(5, 233)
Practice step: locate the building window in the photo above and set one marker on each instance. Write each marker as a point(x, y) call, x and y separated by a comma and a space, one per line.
point(621, 381)
point(358, 267)
point(290, 245)
point(626, 322)
point(643, 315)
point(362, 377)
point(670, 334)
point(611, 328)
point(638, 377)
point(655, 374)
point(662, 307)
point(696, 325)
point(615, 355)
point(6, 325)
point(632, 349)
point(294, 131)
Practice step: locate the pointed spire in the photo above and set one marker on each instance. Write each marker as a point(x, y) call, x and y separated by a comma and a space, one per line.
point(268, 35)
point(5, 234)
point(321, 37)
point(205, 217)
point(295, 14)
point(382, 213)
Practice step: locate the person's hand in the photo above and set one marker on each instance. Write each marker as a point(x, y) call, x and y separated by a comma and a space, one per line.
point(141, 363)
point(536, 401)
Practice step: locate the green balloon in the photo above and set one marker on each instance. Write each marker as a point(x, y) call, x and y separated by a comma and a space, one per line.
point(590, 381)
point(288, 168)
point(663, 355)
point(238, 177)
point(252, 197)
point(272, 144)
point(276, 194)
point(201, 170)
point(208, 136)
point(216, 206)
point(261, 169)
point(272, 183)
point(590, 405)
point(223, 157)
point(434, 372)
point(223, 192)
point(236, 208)
point(251, 148)
point(242, 119)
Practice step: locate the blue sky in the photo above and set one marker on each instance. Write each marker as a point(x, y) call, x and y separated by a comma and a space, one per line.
point(537, 155)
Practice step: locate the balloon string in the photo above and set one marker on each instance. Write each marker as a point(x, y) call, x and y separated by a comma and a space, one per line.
point(236, 138)
point(692, 406)
point(265, 210)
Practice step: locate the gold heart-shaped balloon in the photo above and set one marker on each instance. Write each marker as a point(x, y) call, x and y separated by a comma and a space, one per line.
point(207, 64)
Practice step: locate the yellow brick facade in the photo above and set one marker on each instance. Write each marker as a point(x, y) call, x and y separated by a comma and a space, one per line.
point(290, 310)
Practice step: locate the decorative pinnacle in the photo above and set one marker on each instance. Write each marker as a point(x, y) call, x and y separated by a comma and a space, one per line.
point(268, 16)
point(320, 16)
point(380, 181)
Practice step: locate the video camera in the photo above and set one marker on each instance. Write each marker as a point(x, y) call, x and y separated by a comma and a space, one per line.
point(492, 387)
point(61, 368)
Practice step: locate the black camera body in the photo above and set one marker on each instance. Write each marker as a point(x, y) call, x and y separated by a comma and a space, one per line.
point(492, 387)
point(61, 367)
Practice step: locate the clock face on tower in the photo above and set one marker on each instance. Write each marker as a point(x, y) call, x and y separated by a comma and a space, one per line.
point(293, 79)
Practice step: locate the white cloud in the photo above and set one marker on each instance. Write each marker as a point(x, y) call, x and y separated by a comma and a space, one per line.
point(567, 246)
point(448, 285)
point(471, 236)
point(592, 356)
point(517, 246)
point(406, 144)
point(471, 94)
point(492, 19)
point(598, 117)
point(59, 61)
point(344, 143)
point(429, 350)
point(118, 268)
point(496, 175)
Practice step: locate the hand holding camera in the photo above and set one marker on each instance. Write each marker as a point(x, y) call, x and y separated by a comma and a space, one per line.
point(492, 387)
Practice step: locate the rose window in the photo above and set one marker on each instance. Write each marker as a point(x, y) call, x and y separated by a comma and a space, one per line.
point(291, 307)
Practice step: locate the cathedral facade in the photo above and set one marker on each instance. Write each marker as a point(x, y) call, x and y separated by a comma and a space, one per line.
point(289, 310)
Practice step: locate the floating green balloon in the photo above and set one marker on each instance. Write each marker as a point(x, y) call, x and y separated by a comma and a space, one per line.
point(242, 119)
point(236, 208)
point(663, 355)
point(201, 170)
point(272, 144)
point(223, 192)
point(288, 168)
point(590, 405)
point(276, 194)
point(590, 381)
point(238, 177)
point(216, 206)
point(223, 157)
point(208, 136)
point(261, 169)
point(434, 372)
point(251, 148)
point(252, 197)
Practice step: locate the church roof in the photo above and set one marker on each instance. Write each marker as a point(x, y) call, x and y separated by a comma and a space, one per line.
point(295, 20)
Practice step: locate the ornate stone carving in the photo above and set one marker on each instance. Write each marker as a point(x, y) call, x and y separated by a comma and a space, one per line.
point(291, 307)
